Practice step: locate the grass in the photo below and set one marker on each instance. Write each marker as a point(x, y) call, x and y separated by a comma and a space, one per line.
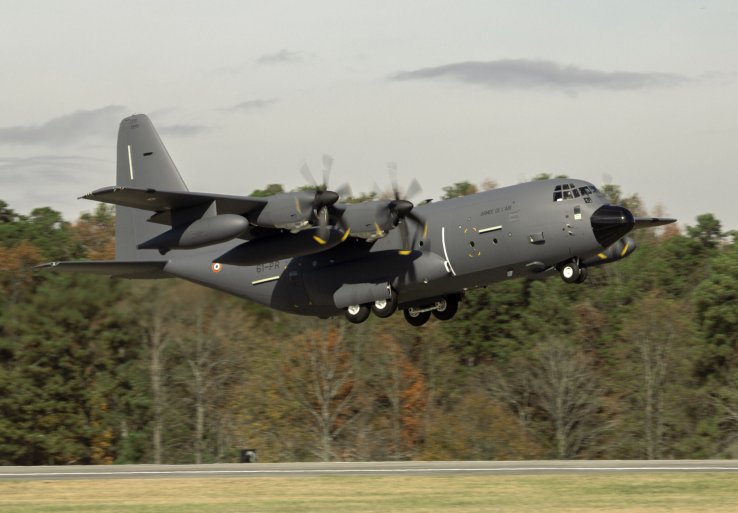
point(662, 492)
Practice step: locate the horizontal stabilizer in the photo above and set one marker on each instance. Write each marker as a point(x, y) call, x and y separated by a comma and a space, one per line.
point(651, 222)
point(158, 201)
point(113, 268)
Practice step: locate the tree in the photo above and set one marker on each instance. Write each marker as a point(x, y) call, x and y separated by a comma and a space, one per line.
point(657, 333)
point(490, 322)
point(400, 395)
point(67, 345)
point(564, 391)
point(707, 231)
point(716, 303)
point(269, 190)
point(203, 333)
point(319, 374)
point(459, 189)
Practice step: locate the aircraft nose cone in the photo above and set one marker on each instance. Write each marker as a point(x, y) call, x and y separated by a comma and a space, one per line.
point(610, 223)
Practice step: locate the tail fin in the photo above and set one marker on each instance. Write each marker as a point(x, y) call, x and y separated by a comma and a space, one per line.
point(143, 162)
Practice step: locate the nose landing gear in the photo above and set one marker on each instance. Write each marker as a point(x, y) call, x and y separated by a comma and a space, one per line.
point(571, 272)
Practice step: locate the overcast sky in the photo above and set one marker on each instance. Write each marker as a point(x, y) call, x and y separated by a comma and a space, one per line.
point(645, 92)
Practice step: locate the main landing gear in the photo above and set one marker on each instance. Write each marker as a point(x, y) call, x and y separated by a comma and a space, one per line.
point(443, 309)
point(571, 272)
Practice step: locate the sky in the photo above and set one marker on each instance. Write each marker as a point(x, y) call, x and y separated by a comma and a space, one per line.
point(640, 94)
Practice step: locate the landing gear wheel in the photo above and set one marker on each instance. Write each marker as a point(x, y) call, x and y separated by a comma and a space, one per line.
point(570, 272)
point(582, 275)
point(385, 307)
point(357, 313)
point(448, 310)
point(416, 319)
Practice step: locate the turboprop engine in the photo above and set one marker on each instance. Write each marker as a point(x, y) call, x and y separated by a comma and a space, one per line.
point(203, 232)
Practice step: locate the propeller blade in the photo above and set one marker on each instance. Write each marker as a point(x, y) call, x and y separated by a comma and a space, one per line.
point(323, 228)
point(307, 175)
point(344, 191)
point(327, 166)
point(406, 247)
point(392, 171)
point(413, 189)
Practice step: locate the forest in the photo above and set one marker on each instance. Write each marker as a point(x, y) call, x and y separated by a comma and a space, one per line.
point(641, 361)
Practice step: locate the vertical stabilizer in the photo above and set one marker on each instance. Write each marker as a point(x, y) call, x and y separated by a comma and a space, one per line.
point(143, 163)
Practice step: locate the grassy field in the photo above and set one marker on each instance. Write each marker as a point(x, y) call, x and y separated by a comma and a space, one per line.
point(672, 492)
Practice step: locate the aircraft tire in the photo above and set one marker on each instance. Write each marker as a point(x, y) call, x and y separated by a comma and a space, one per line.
point(570, 272)
point(582, 275)
point(385, 307)
point(357, 313)
point(452, 306)
point(418, 319)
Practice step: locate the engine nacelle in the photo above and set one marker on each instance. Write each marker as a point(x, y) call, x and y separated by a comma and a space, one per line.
point(617, 251)
point(200, 233)
point(290, 211)
point(287, 245)
point(369, 220)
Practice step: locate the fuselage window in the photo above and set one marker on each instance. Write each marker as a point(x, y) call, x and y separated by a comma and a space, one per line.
point(576, 193)
point(558, 196)
point(568, 195)
point(584, 190)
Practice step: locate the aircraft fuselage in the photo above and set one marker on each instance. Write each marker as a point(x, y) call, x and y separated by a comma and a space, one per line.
point(471, 241)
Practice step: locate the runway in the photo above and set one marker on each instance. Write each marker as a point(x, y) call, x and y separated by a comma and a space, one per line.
point(364, 468)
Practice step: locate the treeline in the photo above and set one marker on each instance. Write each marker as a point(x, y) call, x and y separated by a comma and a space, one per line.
point(638, 362)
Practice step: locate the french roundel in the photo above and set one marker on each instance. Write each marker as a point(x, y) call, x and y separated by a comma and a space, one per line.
point(216, 267)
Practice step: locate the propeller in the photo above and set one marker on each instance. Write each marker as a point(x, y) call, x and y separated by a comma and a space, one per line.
point(401, 210)
point(323, 201)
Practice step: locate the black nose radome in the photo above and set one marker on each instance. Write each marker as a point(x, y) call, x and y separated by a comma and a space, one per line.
point(610, 223)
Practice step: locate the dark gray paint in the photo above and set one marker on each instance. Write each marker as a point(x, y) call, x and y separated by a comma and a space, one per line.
point(472, 241)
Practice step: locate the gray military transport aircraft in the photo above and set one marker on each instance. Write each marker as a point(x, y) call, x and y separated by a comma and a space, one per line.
point(306, 253)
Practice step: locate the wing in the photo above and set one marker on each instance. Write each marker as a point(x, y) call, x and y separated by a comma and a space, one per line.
point(140, 269)
point(160, 201)
point(651, 222)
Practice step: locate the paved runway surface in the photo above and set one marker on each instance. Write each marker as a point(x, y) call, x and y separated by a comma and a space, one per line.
point(364, 468)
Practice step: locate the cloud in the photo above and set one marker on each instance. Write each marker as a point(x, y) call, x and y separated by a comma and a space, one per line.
point(181, 130)
point(540, 74)
point(67, 129)
point(52, 180)
point(282, 57)
point(33, 170)
point(251, 105)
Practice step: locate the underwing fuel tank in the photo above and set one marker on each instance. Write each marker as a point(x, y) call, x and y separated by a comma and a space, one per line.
point(286, 245)
point(200, 233)
point(617, 251)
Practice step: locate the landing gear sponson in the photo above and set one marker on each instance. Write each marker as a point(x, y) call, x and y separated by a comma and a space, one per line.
point(443, 309)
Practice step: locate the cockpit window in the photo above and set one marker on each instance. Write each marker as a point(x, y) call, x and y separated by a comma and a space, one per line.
point(570, 191)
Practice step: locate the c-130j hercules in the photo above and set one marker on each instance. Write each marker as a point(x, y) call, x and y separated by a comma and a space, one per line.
point(307, 253)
